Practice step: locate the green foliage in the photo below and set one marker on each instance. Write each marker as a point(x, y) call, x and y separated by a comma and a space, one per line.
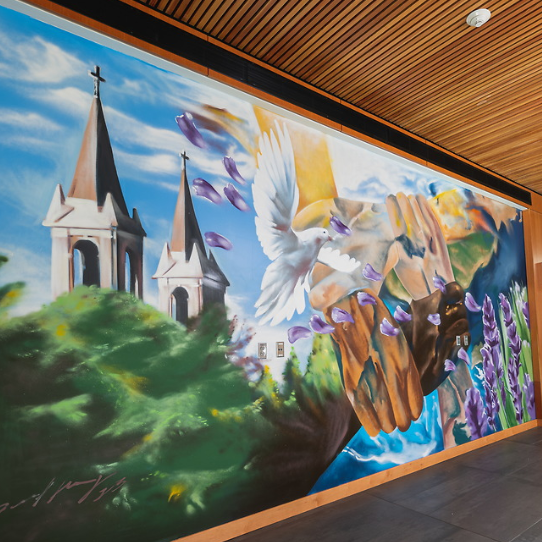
point(99, 383)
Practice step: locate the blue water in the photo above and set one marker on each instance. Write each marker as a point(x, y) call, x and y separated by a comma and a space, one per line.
point(366, 455)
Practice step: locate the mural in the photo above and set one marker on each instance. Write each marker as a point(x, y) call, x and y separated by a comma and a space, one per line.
point(145, 395)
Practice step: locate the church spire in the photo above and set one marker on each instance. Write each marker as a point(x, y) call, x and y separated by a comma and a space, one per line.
point(95, 174)
point(186, 232)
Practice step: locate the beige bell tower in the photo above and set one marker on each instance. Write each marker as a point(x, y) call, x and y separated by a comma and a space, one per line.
point(94, 239)
point(188, 278)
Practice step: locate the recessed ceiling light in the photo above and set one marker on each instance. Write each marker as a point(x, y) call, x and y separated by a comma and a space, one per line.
point(478, 17)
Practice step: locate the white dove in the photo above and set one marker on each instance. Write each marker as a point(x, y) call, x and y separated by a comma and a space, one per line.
point(293, 254)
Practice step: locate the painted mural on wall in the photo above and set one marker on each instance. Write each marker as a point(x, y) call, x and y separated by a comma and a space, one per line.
point(161, 239)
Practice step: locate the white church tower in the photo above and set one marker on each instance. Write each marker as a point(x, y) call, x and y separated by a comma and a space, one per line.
point(188, 279)
point(94, 239)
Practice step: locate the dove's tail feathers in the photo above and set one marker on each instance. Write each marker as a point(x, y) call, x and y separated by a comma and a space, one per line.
point(283, 293)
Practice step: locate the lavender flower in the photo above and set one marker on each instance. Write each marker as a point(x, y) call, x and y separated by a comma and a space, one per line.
point(365, 299)
point(188, 128)
point(475, 414)
point(339, 227)
point(387, 329)
point(319, 326)
point(528, 390)
point(231, 168)
point(235, 198)
point(471, 304)
point(216, 240)
point(449, 365)
point(439, 283)
point(525, 311)
point(340, 315)
point(401, 316)
point(434, 319)
point(492, 339)
point(298, 332)
point(206, 190)
point(370, 274)
point(490, 385)
point(514, 363)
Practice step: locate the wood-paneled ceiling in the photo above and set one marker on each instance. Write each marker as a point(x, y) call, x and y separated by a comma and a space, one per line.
point(415, 63)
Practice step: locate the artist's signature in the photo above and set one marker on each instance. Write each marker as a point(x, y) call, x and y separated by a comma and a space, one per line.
point(96, 491)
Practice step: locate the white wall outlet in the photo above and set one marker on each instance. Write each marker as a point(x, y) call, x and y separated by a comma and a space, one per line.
point(458, 340)
point(262, 350)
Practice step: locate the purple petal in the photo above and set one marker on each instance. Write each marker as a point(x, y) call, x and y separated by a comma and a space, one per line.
point(462, 354)
point(439, 283)
point(434, 319)
point(365, 299)
point(188, 128)
point(471, 304)
point(216, 240)
point(401, 316)
point(235, 198)
point(370, 274)
point(298, 332)
point(206, 190)
point(449, 365)
point(340, 315)
point(339, 227)
point(387, 329)
point(231, 168)
point(319, 326)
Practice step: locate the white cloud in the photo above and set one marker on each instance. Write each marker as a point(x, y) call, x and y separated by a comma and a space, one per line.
point(67, 99)
point(36, 60)
point(27, 120)
point(159, 164)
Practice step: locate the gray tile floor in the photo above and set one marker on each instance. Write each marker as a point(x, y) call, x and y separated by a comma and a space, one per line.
point(491, 494)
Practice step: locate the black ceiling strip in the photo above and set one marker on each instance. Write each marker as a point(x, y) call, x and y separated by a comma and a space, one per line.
point(132, 21)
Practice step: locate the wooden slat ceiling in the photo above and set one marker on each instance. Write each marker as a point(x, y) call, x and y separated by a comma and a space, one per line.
point(417, 64)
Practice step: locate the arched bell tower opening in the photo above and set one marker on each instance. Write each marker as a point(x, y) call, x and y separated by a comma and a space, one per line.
point(85, 263)
point(179, 305)
point(131, 278)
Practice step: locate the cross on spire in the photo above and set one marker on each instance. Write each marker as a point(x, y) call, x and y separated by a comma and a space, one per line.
point(97, 79)
point(184, 156)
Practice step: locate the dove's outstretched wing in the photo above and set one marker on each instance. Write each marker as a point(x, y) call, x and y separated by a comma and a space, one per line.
point(275, 194)
point(276, 198)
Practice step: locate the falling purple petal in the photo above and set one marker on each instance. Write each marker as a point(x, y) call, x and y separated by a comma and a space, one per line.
point(449, 365)
point(471, 304)
point(439, 283)
point(188, 128)
point(340, 315)
point(231, 168)
point(298, 332)
point(206, 190)
point(339, 227)
point(401, 316)
point(235, 198)
point(387, 329)
point(365, 299)
point(370, 274)
point(434, 319)
point(462, 354)
point(319, 326)
point(216, 240)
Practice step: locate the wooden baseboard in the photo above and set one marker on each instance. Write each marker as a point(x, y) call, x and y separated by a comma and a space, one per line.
point(294, 508)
